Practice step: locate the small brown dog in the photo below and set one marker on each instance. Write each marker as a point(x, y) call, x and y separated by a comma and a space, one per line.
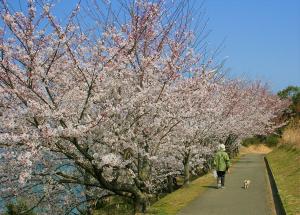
point(246, 183)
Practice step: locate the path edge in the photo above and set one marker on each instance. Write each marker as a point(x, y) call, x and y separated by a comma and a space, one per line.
point(279, 208)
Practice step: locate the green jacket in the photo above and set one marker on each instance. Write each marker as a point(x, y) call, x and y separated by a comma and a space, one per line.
point(221, 161)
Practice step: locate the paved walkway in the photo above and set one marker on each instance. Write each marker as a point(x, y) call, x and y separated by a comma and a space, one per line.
point(234, 200)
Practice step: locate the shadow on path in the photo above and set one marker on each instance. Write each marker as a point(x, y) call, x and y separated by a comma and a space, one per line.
point(211, 187)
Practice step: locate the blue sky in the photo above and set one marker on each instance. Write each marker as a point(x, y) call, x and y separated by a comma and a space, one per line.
point(262, 38)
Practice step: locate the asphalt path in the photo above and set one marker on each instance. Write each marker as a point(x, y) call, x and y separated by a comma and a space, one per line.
point(234, 199)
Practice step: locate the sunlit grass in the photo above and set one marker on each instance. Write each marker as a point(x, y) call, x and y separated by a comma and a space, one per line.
point(284, 162)
point(291, 135)
point(259, 148)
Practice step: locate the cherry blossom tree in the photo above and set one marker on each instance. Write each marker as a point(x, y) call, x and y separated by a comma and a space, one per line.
point(221, 112)
point(114, 110)
point(84, 112)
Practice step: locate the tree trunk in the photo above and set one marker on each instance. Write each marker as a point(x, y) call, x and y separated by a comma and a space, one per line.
point(170, 183)
point(186, 163)
point(89, 207)
point(87, 189)
point(140, 203)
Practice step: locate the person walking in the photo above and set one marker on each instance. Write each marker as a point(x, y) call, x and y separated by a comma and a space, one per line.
point(221, 165)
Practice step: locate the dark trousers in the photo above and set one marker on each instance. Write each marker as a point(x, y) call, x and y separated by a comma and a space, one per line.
point(221, 176)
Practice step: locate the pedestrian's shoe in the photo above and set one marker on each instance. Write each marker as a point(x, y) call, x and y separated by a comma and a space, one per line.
point(219, 186)
point(222, 187)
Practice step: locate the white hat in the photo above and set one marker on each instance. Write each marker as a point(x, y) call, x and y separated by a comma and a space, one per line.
point(222, 146)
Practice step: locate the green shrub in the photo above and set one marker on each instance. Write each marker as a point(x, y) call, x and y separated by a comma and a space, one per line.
point(17, 208)
point(251, 141)
point(272, 140)
point(114, 205)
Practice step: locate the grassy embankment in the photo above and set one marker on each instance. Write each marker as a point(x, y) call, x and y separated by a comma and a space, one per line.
point(285, 164)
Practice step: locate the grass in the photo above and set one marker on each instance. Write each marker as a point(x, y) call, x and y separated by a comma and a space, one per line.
point(291, 135)
point(284, 162)
point(115, 205)
point(256, 148)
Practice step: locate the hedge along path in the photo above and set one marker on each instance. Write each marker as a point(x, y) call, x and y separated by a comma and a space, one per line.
point(234, 200)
